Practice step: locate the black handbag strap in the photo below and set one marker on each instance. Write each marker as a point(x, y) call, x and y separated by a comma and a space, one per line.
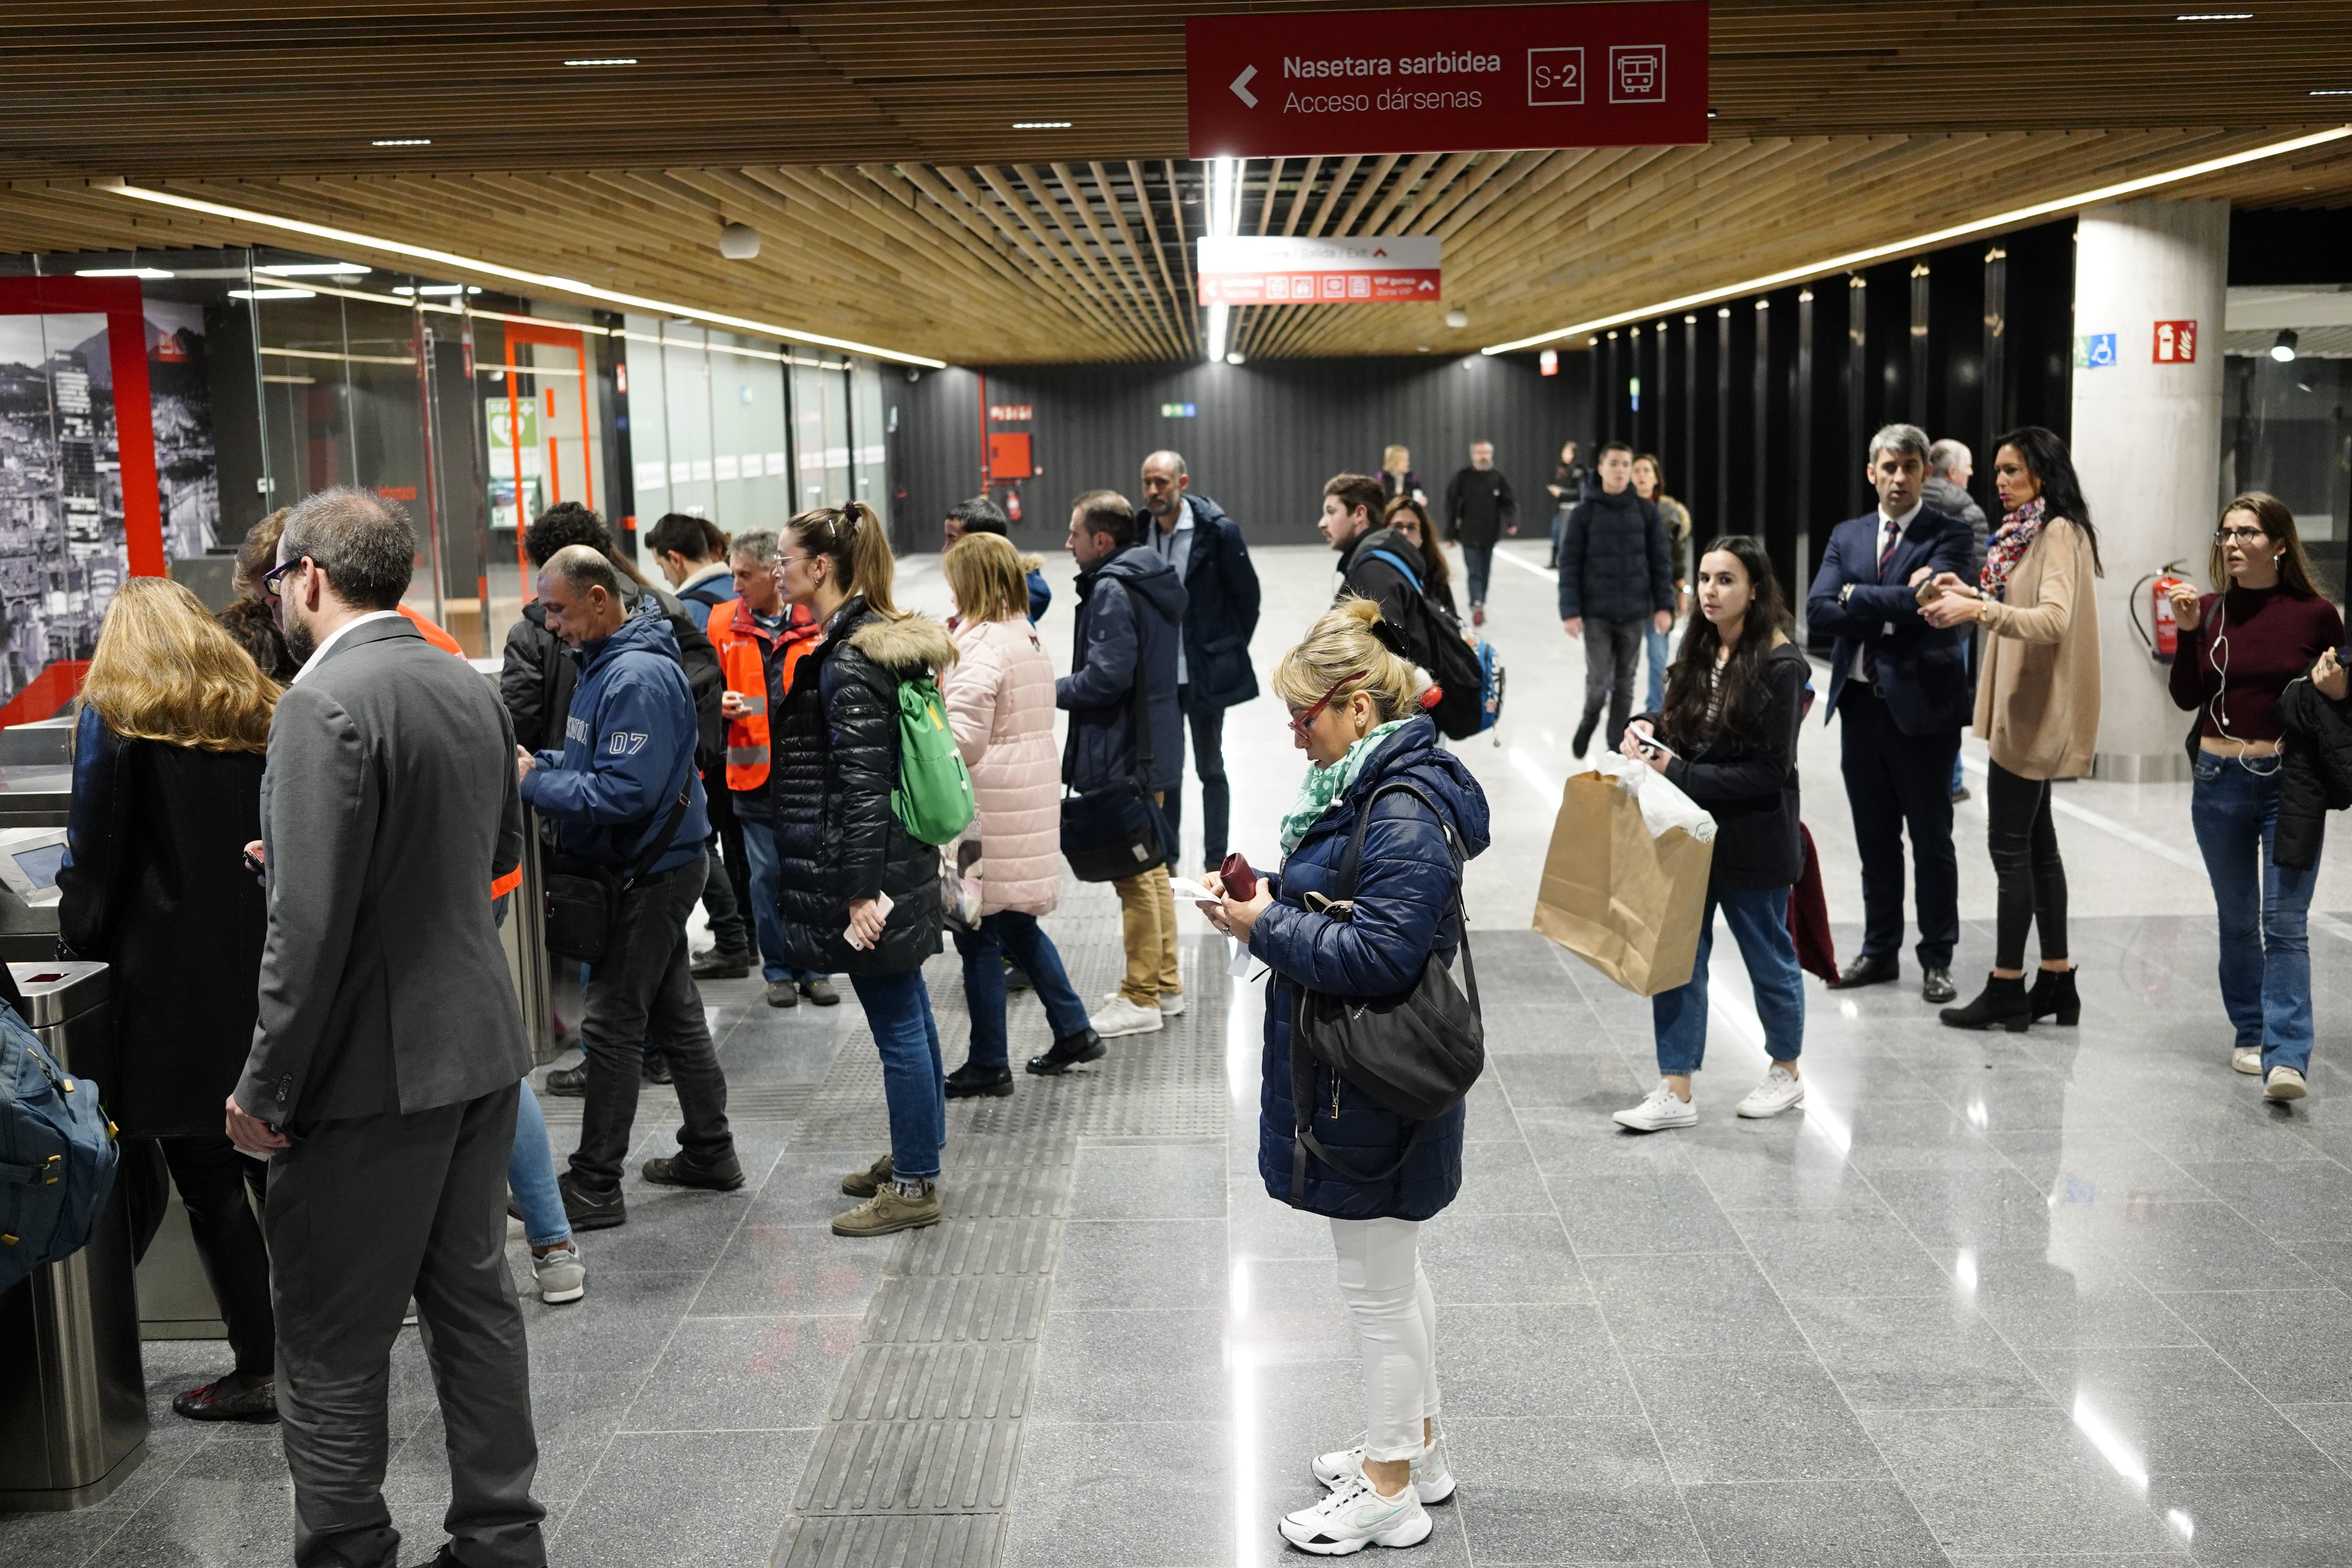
point(1139, 715)
point(658, 845)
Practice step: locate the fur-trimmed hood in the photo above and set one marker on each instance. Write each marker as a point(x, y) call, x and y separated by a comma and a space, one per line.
point(907, 646)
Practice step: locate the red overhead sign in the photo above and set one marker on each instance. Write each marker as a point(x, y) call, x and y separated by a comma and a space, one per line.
point(1483, 78)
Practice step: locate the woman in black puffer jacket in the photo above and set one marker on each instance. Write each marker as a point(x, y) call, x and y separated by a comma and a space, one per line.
point(847, 867)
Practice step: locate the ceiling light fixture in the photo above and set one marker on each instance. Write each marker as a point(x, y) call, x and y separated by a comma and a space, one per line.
point(121, 272)
point(272, 294)
point(536, 281)
point(1042, 124)
point(430, 289)
point(2215, 16)
point(611, 60)
point(1224, 204)
point(316, 270)
point(2282, 349)
point(402, 142)
point(1937, 237)
point(2331, 92)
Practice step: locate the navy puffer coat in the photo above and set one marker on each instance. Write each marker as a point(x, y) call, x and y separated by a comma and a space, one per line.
point(1404, 897)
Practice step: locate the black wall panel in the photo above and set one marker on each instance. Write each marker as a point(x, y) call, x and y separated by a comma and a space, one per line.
point(1264, 438)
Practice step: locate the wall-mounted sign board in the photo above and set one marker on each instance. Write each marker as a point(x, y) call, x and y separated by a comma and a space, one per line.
point(1479, 79)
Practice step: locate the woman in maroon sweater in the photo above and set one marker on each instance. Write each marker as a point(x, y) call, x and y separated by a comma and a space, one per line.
point(2238, 650)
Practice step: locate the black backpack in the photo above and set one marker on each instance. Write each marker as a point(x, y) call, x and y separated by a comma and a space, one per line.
point(1440, 647)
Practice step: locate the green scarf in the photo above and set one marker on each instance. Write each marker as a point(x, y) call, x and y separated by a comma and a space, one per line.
point(1322, 786)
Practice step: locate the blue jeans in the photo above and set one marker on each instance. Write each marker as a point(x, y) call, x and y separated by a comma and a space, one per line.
point(914, 1082)
point(1010, 933)
point(759, 851)
point(1759, 923)
point(1478, 565)
point(2265, 941)
point(531, 1175)
point(1656, 641)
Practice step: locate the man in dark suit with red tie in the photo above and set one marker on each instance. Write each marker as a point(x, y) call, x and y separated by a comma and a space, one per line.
point(1903, 690)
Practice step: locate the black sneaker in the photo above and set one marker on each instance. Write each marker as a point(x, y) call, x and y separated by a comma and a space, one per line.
point(1086, 1045)
point(821, 992)
point(655, 1068)
point(588, 1209)
point(677, 1170)
point(219, 1402)
point(1583, 742)
point(570, 1082)
point(717, 965)
point(969, 1080)
point(784, 994)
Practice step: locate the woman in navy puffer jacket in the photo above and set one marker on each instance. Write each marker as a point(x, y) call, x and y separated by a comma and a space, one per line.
point(1354, 710)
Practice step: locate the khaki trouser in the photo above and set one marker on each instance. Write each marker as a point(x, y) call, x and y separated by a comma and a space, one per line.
point(1147, 927)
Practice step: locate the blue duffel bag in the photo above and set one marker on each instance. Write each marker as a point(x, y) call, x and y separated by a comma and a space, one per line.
point(58, 1155)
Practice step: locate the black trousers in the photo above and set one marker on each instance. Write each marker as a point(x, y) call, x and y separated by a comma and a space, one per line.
point(641, 999)
point(1208, 728)
point(2023, 843)
point(363, 1214)
point(1896, 781)
point(211, 1177)
point(1612, 657)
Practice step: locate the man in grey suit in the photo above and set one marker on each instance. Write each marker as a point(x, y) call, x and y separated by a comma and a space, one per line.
point(381, 1080)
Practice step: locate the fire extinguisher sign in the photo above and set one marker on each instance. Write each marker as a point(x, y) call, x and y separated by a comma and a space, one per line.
point(2175, 342)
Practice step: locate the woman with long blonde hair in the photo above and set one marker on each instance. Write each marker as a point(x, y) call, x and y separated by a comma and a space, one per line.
point(169, 735)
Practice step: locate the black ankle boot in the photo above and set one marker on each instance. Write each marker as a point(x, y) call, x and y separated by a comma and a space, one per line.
point(2002, 1001)
point(2053, 993)
point(969, 1079)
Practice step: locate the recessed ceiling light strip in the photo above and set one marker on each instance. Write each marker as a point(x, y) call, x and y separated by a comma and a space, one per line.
point(537, 280)
point(1930, 241)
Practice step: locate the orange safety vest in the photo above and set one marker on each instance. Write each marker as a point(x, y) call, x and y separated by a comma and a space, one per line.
point(736, 636)
point(433, 634)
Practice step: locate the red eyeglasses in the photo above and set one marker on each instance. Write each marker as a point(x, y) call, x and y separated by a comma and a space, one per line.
point(1298, 724)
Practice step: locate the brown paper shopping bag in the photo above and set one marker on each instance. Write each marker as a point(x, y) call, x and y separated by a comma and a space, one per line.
point(1626, 902)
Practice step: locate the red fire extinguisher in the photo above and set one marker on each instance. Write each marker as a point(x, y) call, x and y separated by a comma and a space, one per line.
point(1013, 505)
point(2166, 640)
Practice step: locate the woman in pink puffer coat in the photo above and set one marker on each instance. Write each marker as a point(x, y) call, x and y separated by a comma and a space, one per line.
point(999, 697)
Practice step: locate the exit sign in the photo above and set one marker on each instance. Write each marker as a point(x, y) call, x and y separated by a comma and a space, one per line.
point(1179, 410)
point(2175, 342)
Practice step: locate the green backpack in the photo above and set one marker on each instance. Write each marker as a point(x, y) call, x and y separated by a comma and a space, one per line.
point(933, 801)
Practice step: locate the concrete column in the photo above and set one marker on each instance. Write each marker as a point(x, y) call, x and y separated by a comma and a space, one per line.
point(2147, 444)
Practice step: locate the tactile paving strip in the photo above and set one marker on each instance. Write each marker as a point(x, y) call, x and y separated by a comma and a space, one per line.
point(657, 1105)
point(914, 1463)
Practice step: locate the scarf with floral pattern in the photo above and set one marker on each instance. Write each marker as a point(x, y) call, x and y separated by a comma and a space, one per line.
point(2009, 544)
point(1322, 786)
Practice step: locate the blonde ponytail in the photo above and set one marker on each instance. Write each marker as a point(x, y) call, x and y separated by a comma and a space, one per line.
point(1343, 652)
point(853, 539)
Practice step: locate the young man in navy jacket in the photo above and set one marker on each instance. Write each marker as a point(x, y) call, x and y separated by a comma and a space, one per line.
point(612, 791)
point(1903, 687)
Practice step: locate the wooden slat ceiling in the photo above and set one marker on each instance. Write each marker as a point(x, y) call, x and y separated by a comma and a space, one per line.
point(871, 146)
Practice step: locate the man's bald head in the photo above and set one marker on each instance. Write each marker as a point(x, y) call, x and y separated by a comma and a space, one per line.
point(580, 592)
point(1165, 480)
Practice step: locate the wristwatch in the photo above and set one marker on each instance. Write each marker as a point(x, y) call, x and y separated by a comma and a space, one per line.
point(1846, 593)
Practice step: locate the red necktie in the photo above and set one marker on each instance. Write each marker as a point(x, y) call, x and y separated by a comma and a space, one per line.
point(1887, 551)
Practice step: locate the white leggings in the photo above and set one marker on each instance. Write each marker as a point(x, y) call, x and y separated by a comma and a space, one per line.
point(1396, 1324)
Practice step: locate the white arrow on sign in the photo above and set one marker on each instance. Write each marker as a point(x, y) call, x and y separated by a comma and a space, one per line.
point(1241, 86)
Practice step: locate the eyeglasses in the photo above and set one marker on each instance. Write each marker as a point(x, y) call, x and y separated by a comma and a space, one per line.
point(1299, 722)
point(271, 579)
point(784, 561)
point(2237, 535)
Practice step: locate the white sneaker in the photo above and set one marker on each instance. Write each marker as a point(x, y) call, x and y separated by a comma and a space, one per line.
point(1661, 1110)
point(1355, 1517)
point(2247, 1059)
point(562, 1276)
point(2284, 1083)
point(1120, 1017)
point(1779, 1091)
point(1172, 1003)
point(1433, 1478)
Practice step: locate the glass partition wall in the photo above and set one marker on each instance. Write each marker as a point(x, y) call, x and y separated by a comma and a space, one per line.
point(274, 374)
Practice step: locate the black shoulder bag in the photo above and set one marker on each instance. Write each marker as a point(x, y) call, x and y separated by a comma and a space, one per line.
point(1415, 1055)
point(583, 902)
point(1112, 832)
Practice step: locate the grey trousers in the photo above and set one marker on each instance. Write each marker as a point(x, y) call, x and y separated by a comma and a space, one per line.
point(362, 1214)
point(1612, 656)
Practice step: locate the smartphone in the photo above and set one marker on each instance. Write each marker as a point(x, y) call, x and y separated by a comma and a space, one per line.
point(252, 864)
point(1927, 593)
point(1240, 881)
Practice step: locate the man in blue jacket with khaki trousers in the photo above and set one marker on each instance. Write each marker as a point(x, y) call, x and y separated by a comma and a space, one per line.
point(1903, 690)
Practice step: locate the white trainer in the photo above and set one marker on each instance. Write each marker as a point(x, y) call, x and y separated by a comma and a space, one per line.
point(2284, 1083)
point(1354, 1516)
point(1433, 1478)
point(1661, 1110)
point(2247, 1059)
point(1171, 1004)
point(1120, 1017)
point(1779, 1091)
point(562, 1276)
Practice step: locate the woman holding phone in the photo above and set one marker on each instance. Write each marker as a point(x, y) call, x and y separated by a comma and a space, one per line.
point(1355, 711)
point(2240, 650)
point(2037, 710)
point(1728, 737)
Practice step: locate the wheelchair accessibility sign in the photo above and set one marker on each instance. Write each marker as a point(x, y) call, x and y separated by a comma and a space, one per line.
point(2095, 352)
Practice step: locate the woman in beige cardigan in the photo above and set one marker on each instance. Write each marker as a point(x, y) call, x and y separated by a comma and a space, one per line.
point(2037, 711)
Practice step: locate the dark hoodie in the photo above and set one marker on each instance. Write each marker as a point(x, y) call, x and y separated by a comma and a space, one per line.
point(1403, 912)
point(537, 678)
point(628, 749)
point(1130, 609)
point(1364, 575)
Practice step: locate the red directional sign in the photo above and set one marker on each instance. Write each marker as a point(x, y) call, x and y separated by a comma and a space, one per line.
point(1483, 78)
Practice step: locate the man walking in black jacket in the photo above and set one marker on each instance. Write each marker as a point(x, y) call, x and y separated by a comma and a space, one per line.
point(1480, 508)
point(1616, 580)
point(1205, 548)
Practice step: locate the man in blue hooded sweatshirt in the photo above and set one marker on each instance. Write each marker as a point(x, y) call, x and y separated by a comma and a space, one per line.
point(618, 785)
